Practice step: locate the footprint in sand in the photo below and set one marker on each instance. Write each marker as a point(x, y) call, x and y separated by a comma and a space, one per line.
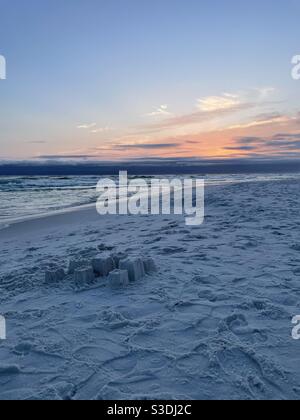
point(259, 377)
point(239, 326)
point(193, 364)
point(237, 323)
point(139, 360)
point(213, 296)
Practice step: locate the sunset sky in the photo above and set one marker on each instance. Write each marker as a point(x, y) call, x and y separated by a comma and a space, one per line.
point(120, 79)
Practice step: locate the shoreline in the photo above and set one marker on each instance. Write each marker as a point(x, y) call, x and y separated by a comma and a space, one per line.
point(25, 219)
point(69, 210)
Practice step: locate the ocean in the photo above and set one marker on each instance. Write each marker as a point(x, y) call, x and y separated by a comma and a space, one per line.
point(27, 197)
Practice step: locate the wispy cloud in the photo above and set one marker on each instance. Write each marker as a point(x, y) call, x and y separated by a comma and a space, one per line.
point(147, 146)
point(93, 128)
point(86, 126)
point(211, 108)
point(217, 103)
point(277, 144)
point(65, 157)
point(232, 100)
point(261, 120)
point(240, 148)
point(264, 92)
point(248, 140)
point(199, 117)
point(161, 111)
point(101, 130)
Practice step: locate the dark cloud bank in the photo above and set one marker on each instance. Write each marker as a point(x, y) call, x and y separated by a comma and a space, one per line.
point(55, 166)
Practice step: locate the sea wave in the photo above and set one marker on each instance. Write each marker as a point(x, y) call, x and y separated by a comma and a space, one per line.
point(22, 197)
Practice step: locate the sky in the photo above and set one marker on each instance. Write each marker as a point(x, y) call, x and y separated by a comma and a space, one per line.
point(125, 79)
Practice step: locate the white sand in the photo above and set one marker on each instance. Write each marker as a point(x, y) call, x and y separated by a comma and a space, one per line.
point(213, 323)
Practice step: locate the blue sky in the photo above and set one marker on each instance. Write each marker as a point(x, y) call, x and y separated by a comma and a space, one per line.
point(90, 78)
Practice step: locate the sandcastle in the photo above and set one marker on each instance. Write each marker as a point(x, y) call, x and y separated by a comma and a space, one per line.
point(118, 279)
point(84, 276)
point(119, 270)
point(102, 266)
point(54, 276)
